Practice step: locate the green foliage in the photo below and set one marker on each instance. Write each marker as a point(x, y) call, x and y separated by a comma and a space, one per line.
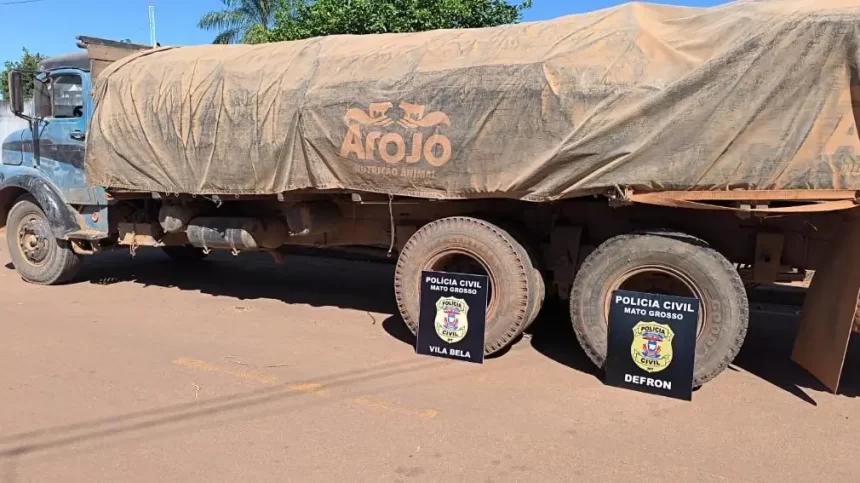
point(256, 35)
point(240, 20)
point(295, 21)
point(28, 65)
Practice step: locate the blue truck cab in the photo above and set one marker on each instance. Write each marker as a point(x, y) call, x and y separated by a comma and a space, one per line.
point(50, 212)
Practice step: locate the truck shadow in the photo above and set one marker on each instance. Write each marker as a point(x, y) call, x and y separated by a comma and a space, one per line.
point(767, 349)
point(552, 335)
point(364, 286)
point(766, 352)
point(314, 281)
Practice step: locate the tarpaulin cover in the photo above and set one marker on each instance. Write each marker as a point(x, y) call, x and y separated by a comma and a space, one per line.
point(749, 95)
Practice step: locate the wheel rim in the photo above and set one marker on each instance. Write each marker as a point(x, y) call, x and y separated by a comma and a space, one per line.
point(465, 261)
point(33, 240)
point(660, 280)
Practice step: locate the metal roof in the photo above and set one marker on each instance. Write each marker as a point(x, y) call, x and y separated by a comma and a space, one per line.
point(79, 60)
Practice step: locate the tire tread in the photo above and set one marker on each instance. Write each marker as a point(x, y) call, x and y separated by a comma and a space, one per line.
point(465, 228)
point(610, 249)
point(58, 271)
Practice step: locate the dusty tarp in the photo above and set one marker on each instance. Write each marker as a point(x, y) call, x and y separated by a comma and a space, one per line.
point(753, 94)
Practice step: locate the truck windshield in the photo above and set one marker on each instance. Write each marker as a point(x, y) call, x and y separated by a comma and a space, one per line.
point(67, 96)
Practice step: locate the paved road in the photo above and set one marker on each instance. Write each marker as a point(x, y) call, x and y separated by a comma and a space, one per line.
point(245, 371)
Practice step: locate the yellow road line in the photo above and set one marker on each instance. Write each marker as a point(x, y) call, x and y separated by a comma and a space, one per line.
point(367, 402)
point(308, 387)
point(247, 375)
point(312, 388)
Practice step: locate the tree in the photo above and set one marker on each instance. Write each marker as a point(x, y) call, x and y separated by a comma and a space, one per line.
point(331, 17)
point(28, 66)
point(240, 20)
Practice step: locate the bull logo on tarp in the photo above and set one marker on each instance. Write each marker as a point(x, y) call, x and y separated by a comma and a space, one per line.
point(373, 133)
point(652, 346)
point(452, 322)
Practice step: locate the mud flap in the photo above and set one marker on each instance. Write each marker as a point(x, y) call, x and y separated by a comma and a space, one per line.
point(828, 312)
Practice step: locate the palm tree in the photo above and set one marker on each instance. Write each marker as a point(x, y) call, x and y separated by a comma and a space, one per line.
point(238, 18)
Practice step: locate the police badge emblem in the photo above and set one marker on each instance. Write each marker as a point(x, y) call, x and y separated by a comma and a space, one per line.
point(452, 321)
point(652, 346)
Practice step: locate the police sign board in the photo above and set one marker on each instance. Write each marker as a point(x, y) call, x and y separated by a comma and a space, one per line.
point(452, 316)
point(652, 343)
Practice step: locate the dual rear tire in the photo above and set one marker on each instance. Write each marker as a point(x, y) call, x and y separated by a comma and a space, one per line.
point(669, 263)
point(657, 262)
point(470, 245)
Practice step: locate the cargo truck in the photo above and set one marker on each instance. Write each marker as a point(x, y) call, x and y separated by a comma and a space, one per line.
point(662, 149)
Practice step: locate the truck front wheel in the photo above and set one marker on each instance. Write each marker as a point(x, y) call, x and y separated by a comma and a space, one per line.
point(670, 264)
point(470, 245)
point(37, 255)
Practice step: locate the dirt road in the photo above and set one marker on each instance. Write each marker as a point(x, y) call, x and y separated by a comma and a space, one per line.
point(245, 371)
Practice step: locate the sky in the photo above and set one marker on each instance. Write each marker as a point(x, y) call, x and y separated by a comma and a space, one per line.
point(49, 27)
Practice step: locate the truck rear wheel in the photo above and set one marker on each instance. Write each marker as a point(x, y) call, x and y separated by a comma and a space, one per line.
point(470, 245)
point(671, 264)
point(37, 255)
point(537, 285)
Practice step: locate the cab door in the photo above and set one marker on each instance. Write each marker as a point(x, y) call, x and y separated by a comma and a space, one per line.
point(62, 135)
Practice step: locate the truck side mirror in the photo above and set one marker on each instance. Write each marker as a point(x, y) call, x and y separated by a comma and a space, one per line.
point(16, 93)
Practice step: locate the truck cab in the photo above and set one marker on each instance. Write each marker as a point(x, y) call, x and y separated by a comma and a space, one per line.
point(62, 105)
point(46, 204)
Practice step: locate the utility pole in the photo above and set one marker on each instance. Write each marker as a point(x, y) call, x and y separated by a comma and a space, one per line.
point(152, 39)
